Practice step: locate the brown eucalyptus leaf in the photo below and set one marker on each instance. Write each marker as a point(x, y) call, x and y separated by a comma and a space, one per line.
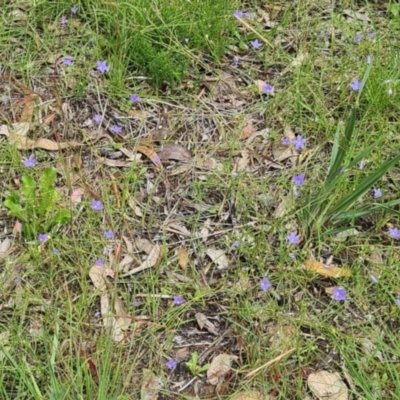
point(176, 152)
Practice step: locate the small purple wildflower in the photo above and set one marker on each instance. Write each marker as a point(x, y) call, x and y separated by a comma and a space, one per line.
point(377, 193)
point(109, 234)
point(339, 293)
point(171, 364)
point(17, 281)
point(235, 244)
point(29, 162)
point(369, 59)
point(299, 142)
point(68, 61)
point(42, 237)
point(134, 98)
point(100, 262)
point(394, 233)
point(293, 238)
point(265, 284)
point(102, 66)
point(298, 180)
point(372, 35)
point(97, 118)
point(178, 300)
point(63, 21)
point(373, 279)
point(361, 164)
point(55, 250)
point(398, 302)
point(255, 44)
point(96, 205)
point(358, 38)
point(267, 88)
point(116, 129)
point(355, 85)
point(136, 302)
point(286, 141)
point(236, 61)
point(156, 159)
point(238, 14)
point(74, 9)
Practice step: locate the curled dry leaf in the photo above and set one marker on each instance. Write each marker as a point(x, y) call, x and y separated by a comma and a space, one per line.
point(220, 365)
point(183, 257)
point(247, 131)
point(204, 322)
point(327, 386)
point(76, 195)
point(151, 154)
point(331, 271)
point(151, 386)
point(152, 260)
point(218, 257)
point(144, 245)
point(121, 321)
point(175, 152)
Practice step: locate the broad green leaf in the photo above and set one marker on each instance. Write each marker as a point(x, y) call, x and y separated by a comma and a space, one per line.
point(28, 187)
point(62, 217)
point(15, 209)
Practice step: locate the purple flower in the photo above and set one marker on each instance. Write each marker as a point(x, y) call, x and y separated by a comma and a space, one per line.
point(68, 61)
point(42, 237)
point(267, 88)
point(29, 162)
point(136, 302)
point(355, 85)
point(55, 250)
point(171, 364)
point(298, 180)
point(394, 233)
point(369, 59)
point(398, 302)
point(339, 293)
point(377, 193)
point(63, 21)
point(248, 14)
point(373, 279)
point(116, 129)
point(238, 14)
point(236, 60)
point(286, 141)
point(97, 118)
point(134, 98)
point(109, 234)
point(17, 281)
point(372, 35)
point(265, 284)
point(100, 262)
point(299, 142)
point(102, 66)
point(358, 38)
point(178, 300)
point(74, 9)
point(293, 238)
point(255, 44)
point(156, 159)
point(235, 244)
point(96, 205)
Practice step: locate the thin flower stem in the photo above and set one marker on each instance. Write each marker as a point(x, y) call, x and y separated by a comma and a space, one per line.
point(254, 31)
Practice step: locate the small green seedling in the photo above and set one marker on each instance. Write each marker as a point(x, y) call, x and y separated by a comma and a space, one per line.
point(37, 205)
point(195, 369)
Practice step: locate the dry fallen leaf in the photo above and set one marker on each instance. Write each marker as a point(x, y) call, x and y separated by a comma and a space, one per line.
point(144, 245)
point(24, 143)
point(121, 321)
point(183, 257)
point(252, 395)
point(76, 195)
point(247, 130)
point(220, 365)
point(327, 386)
point(218, 257)
point(151, 154)
point(175, 152)
point(4, 246)
point(330, 271)
point(204, 322)
point(152, 260)
point(151, 385)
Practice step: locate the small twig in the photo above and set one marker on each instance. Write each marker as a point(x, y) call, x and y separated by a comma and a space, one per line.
point(270, 362)
point(185, 386)
point(254, 31)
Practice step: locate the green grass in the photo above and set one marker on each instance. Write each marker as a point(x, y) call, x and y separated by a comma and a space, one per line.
point(53, 343)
